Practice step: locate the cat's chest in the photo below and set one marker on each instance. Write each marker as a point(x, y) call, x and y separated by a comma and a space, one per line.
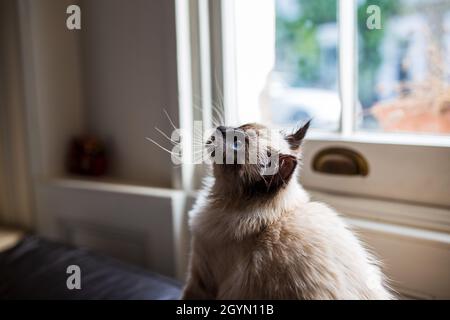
point(226, 259)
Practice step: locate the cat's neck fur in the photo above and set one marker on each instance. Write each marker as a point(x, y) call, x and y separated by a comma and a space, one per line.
point(220, 216)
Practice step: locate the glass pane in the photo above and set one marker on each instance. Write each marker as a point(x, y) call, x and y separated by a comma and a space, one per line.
point(304, 81)
point(404, 66)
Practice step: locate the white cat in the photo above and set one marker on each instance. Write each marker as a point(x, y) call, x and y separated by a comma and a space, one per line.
point(260, 237)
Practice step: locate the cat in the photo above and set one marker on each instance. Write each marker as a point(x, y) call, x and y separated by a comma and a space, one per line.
point(258, 236)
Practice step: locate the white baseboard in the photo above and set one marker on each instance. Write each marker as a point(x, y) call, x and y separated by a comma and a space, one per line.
point(416, 261)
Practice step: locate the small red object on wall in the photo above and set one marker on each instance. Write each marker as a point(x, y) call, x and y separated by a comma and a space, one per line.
point(87, 156)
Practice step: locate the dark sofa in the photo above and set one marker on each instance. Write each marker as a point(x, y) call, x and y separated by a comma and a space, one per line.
point(36, 268)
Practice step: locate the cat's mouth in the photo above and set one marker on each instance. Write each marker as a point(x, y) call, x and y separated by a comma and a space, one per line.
point(210, 146)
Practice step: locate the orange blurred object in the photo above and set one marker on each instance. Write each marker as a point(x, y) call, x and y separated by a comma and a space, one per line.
point(411, 114)
point(87, 156)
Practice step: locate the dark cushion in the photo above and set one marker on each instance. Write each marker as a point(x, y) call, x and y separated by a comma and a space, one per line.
point(36, 269)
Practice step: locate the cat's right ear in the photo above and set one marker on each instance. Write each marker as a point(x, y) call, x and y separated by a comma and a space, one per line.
point(295, 139)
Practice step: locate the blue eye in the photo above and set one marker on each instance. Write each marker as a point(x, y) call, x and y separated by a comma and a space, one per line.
point(237, 145)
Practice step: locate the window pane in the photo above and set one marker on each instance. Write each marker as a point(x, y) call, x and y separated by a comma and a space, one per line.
point(404, 66)
point(304, 81)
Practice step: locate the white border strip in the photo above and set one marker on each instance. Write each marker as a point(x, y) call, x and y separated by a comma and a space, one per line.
point(185, 88)
point(347, 55)
point(229, 61)
point(205, 64)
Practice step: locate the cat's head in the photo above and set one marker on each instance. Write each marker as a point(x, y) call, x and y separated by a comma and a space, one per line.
point(254, 160)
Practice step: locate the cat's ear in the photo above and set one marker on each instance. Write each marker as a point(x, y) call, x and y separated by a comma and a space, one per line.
point(295, 139)
point(286, 166)
point(284, 170)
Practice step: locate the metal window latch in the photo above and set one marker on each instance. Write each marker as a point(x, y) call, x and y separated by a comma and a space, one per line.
point(340, 161)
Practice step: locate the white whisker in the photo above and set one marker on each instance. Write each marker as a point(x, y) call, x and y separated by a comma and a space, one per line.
point(157, 144)
point(166, 136)
point(170, 120)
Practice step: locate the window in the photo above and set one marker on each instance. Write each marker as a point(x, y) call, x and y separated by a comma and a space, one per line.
point(304, 80)
point(293, 59)
point(404, 67)
point(295, 74)
point(383, 93)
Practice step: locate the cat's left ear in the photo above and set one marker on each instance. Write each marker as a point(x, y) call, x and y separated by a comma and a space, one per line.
point(287, 164)
point(285, 169)
point(295, 139)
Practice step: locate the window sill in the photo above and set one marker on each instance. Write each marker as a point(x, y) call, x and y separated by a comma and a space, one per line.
point(382, 138)
point(425, 218)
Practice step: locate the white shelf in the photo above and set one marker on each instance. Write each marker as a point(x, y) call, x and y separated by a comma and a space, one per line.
point(110, 185)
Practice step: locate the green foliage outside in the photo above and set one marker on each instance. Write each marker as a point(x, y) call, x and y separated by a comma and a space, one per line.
point(298, 49)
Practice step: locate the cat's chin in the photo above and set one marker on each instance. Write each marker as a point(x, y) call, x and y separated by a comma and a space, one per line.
point(226, 168)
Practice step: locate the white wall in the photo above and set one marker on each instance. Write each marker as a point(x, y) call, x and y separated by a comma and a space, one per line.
point(15, 192)
point(129, 64)
point(52, 75)
point(113, 79)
